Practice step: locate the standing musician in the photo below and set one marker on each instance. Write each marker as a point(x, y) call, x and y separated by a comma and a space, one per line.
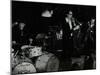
point(72, 22)
point(71, 31)
point(90, 38)
point(67, 38)
point(90, 43)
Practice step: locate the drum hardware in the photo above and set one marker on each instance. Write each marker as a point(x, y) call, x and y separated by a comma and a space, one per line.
point(16, 53)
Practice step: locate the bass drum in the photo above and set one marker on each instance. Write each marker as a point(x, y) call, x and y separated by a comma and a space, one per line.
point(24, 68)
point(47, 62)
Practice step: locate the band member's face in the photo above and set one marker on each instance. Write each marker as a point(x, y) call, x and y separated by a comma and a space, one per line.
point(30, 39)
point(93, 21)
point(70, 14)
point(21, 25)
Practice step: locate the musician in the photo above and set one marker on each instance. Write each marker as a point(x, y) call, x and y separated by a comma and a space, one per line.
point(19, 35)
point(71, 28)
point(67, 29)
point(91, 36)
point(70, 20)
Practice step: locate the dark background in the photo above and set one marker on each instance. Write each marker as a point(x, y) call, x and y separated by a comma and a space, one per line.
point(30, 13)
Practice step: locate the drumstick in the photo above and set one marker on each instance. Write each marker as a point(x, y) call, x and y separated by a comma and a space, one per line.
point(16, 53)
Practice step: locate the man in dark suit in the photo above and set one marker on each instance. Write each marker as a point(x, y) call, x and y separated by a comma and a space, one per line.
point(67, 30)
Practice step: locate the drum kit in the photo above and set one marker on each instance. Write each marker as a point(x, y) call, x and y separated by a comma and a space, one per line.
point(44, 61)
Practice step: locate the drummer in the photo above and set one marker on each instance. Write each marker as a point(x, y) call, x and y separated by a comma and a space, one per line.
point(19, 34)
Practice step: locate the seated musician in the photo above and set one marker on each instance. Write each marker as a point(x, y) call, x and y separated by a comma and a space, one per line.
point(19, 35)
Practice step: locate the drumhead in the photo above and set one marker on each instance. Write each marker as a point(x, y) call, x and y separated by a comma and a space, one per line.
point(24, 68)
point(53, 64)
point(47, 62)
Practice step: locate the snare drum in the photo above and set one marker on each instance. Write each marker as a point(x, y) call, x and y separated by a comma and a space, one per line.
point(47, 62)
point(35, 51)
point(32, 51)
